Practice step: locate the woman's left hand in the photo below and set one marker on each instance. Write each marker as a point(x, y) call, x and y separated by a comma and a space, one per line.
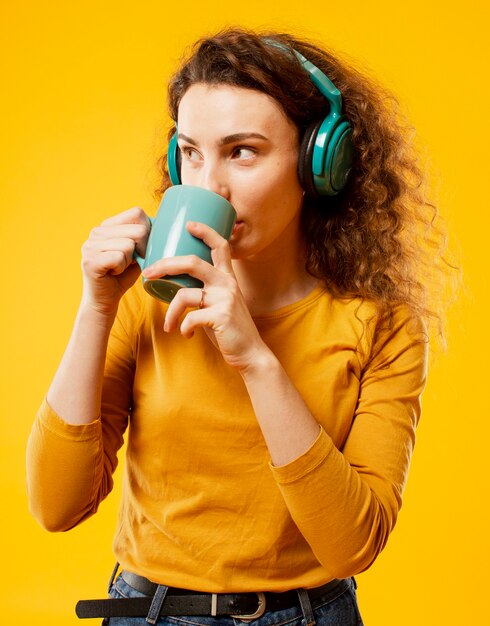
point(219, 307)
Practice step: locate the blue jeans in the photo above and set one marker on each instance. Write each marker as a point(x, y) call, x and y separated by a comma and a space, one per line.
point(336, 608)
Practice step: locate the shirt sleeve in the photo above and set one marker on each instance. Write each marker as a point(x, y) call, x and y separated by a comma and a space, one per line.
point(345, 502)
point(70, 467)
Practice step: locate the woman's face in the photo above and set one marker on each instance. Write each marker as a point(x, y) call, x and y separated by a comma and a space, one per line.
point(239, 143)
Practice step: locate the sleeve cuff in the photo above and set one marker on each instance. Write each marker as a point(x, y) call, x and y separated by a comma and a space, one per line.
point(306, 463)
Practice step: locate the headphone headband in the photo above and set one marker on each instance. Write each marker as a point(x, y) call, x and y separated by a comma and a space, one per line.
point(321, 81)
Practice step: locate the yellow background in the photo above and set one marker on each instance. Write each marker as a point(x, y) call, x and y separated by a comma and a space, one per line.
point(82, 116)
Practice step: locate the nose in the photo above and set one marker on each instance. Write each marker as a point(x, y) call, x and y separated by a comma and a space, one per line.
point(213, 177)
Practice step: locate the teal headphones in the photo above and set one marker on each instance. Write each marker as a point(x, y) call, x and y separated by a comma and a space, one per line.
point(326, 152)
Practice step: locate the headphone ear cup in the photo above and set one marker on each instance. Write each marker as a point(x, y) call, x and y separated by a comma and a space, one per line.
point(174, 160)
point(305, 160)
point(325, 157)
point(342, 156)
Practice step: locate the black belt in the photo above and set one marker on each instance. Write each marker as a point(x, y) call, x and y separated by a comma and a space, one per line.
point(243, 606)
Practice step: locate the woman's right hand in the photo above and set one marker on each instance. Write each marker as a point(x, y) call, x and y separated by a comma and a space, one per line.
point(108, 266)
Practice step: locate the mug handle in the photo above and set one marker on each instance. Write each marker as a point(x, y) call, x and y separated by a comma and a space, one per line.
point(139, 259)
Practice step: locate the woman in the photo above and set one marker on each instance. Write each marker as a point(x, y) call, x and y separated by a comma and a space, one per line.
point(272, 413)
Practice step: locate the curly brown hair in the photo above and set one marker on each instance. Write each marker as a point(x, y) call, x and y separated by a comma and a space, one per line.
point(380, 238)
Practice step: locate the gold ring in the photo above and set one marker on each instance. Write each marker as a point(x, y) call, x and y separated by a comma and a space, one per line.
point(201, 303)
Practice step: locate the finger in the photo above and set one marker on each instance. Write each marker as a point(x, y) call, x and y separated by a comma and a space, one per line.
point(220, 250)
point(94, 246)
point(191, 264)
point(136, 233)
point(135, 215)
point(132, 231)
point(184, 299)
point(196, 318)
point(95, 254)
point(107, 262)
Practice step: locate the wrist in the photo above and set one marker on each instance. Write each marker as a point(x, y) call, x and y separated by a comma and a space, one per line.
point(260, 364)
point(93, 315)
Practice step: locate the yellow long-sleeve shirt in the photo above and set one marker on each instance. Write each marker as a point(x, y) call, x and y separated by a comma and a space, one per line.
point(202, 507)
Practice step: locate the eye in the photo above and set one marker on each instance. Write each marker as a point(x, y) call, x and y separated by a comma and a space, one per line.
point(190, 154)
point(243, 152)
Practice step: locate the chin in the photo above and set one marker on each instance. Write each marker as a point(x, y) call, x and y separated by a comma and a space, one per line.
point(237, 252)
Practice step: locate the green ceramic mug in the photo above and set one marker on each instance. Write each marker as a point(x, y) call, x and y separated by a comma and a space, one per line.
point(169, 237)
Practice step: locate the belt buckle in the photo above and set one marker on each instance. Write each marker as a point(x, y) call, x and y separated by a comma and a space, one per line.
point(258, 613)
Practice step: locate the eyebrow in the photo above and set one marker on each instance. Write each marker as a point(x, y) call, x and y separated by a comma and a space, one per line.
point(226, 140)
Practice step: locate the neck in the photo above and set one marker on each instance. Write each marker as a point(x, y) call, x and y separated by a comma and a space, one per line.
point(269, 282)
